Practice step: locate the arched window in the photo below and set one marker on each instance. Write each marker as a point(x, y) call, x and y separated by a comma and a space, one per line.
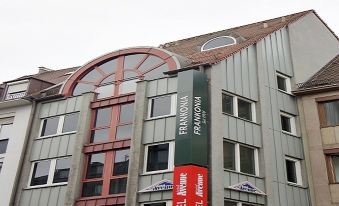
point(218, 42)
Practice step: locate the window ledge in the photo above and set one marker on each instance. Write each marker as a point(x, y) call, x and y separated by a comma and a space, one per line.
point(56, 135)
point(288, 93)
point(296, 185)
point(291, 134)
point(156, 172)
point(160, 117)
point(246, 120)
point(44, 186)
point(241, 173)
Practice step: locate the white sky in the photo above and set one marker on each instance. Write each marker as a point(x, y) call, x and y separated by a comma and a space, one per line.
point(65, 33)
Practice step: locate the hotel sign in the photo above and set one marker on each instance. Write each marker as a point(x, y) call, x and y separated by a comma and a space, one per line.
point(159, 186)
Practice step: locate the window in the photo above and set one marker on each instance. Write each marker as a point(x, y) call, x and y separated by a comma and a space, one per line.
point(1, 163)
point(90, 189)
point(238, 107)
point(240, 158)
point(293, 170)
point(16, 90)
point(233, 203)
point(124, 127)
point(95, 165)
point(59, 124)
point(128, 86)
point(158, 157)
point(121, 160)
point(335, 163)
point(283, 83)
point(332, 163)
point(218, 42)
point(49, 172)
point(162, 106)
point(5, 134)
point(102, 123)
point(331, 113)
point(105, 91)
point(70, 122)
point(287, 123)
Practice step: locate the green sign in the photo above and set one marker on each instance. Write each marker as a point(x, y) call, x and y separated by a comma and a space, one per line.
point(191, 140)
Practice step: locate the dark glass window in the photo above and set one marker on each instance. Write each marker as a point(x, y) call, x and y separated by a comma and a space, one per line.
point(331, 113)
point(103, 117)
point(227, 104)
point(100, 135)
point(126, 113)
point(92, 189)
point(70, 122)
point(61, 171)
point(50, 126)
point(1, 166)
point(247, 164)
point(281, 81)
point(157, 157)
point(291, 171)
point(160, 106)
point(218, 42)
point(244, 109)
point(285, 123)
point(40, 173)
point(118, 186)
point(335, 163)
point(229, 203)
point(3, 146)
point(124, 131)
point(121, 162)
point(229, 158)
point(95, 165)
point(156, 204)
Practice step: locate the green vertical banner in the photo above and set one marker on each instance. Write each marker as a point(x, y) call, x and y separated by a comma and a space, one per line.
point(191, 140)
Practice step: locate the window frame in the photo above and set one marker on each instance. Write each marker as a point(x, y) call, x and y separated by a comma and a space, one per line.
point(298, 174)
point(235, 107)
point(332, 178)
point(22, 92)
point(287, 83)
point(170, 163)
point(321, 109)
point(168, 202)
point(4, 139)
point(173, 106)
point(292, 123)
point(218, 37)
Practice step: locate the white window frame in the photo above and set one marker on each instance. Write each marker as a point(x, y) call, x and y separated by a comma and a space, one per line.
point(59, 127)
point(202, 47)
point(173, 106)
point(168, 203)
point(23, 91)
point(287, 83)
point(235, 107)
point(237, 157)
point(1, 125)
point(297, 170)
point(170, 164)
point(50, 173)
point(292, 123)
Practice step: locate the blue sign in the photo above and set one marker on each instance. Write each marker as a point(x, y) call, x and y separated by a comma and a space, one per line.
point(159, 186)
point(247, 187)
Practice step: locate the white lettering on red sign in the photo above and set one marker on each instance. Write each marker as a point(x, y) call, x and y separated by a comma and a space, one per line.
point(199, 187)
point(181, 190)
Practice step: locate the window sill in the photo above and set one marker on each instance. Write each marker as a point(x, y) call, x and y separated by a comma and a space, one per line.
point(295, 185)
point(246, 120)
point(241, 173)
point(291, 134)
point(159, 117)
point(285, 92)
point(156, 172)
point(47, 185)
point(56, 135)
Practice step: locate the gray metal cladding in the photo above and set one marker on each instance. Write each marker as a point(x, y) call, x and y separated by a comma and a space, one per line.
point(159, 130)
point(51, 196)
point(161, 87)
point(147, 180)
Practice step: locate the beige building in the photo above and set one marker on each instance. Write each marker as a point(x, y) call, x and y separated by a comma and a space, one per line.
point(319, 112)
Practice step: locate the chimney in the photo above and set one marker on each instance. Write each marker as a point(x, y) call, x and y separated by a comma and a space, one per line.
point(265, 25)
point(43, 70)
point(283, 19)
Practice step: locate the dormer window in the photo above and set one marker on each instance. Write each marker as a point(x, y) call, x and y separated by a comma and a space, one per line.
point(16, 90)
point(218, 42)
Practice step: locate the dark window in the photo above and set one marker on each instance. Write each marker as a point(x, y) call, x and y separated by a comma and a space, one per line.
point(157, 157)
point(124, 131)
point(247, 163)
point(3, 146)
point(156, 204)
point(281, 81)
point(50, 126)
point(40, 173)
point(70, 122)
point(229, 158)
point(244, 109)
point(218, 42)
point(100, 135)
point(121, 162)
point(227, 104)
point(291, 171)
point(1, 166)
point(160, 106)
point(62, 168)
point(335, 163)
point(126, 113)
point(285, 123)
point(331, 113)
point(118, 186)
point(103, 117)
point(95, 165)
point(229, 203)
point(92, 189)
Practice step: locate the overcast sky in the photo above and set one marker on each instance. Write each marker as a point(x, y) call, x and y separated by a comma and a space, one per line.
point(65, 33)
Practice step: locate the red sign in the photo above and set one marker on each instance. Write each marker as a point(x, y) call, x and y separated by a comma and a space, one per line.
point(190, 186)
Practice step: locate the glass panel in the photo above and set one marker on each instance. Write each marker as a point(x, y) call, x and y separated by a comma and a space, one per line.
point(118, 186)
point(62, 170)
point(227, 104)
point(109, 67)
point(157, 157)
point(332, 113)
point(156, 73)
point(244, 109)
point(121, 162)
point(92, 76)
point(110, 78)
point(247, 160)
point(82, 88)
point(156, 204)
point(291, 171)
point(218, 42)
point(95, 165)
point(149, 63)
point(6, 131)
point(50, 126)
point(124, 131)
point(70, 122)
point(229, 158)
point(161, 106)
point(40, 173)
point(229, 203)
point(103, 117)
point(281, 83)
point(105, 91)
point(335, 162)
point(128, 86)
point(100, 135)
point(92, 189)
point(130, 74)
point(3, 146)
point(285, 123)
point(126, 113)
point(131, 61)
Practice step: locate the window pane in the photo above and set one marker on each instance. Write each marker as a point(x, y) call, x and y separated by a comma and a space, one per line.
point(156, 204)
point(95, 165)
point(62, 170)
point(3, 146)
point(156, 73)
point(131, 61)
point(70, 122)
point(157, 157)
point(247, 160)
point(229, 158)
point(82, 88)
point(126, 113)
point(149, 63)
point(124, 131)
point(229, 203)
point(108, 79)
point(281, 83)
point(40, 173)
point(285, 123)
point(92, 189)
point(109, 66)
point(121, 162)
point(50, 126)
point(92, 76)
point(161, 106)
point(6, 131)
point(291, 171)
point(105, 91)
point(227, 104)
point(118, 186)
point(335, 162)
point(218, 42)
point(128, 86)
point(244, 109)
point(100, 135)
point(130, 75)
point(103, 117)
point(332, 113)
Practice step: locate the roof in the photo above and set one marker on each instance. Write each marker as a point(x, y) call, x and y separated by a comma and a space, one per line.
point(246, 35)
